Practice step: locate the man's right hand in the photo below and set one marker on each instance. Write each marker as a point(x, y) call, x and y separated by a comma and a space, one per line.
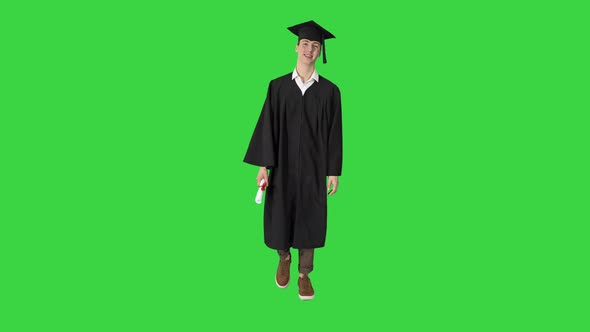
point(262, 174)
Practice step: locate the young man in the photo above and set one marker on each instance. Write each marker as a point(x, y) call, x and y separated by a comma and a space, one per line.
point(298, 138)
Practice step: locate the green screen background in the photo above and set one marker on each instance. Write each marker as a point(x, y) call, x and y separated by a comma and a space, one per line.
point(127, 207)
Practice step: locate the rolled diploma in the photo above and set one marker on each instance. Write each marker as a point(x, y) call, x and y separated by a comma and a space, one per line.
point(258, 199)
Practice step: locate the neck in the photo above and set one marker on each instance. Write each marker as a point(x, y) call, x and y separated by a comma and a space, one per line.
point(305, 71)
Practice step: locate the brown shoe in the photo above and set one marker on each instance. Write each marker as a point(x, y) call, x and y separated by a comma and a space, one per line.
point(305, 289)
point(282, 277)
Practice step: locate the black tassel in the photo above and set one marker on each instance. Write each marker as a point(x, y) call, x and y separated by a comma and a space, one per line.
point(324, 49)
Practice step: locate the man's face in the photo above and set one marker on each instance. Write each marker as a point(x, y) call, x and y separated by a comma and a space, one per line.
point(308, 51)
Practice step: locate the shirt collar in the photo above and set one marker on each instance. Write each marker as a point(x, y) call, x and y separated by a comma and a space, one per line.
point(314, 75)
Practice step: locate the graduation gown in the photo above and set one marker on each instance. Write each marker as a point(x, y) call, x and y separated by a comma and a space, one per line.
point(299, 138)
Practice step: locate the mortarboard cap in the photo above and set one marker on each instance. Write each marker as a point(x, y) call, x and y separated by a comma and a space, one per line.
point(312, 31)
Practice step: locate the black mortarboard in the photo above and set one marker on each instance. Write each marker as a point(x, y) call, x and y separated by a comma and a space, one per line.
point(312, 31)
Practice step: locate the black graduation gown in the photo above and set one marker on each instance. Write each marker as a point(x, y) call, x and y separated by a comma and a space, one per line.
point(299, 138)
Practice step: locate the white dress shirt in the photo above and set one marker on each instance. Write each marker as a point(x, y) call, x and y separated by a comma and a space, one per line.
point(305, 85)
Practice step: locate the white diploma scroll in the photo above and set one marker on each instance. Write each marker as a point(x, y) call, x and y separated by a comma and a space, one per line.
point(258, 199)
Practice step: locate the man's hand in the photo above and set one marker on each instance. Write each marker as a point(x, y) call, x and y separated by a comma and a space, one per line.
point(332, 182)
point(262, 174)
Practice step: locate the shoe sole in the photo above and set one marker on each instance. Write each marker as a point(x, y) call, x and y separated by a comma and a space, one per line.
point(285, 286)
point(306, 297)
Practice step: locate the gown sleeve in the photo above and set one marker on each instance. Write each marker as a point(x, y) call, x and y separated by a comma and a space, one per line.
point(335, 137)
point(261, 151)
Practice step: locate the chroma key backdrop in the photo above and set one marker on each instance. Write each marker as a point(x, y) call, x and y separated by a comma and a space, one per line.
point(126, 204)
